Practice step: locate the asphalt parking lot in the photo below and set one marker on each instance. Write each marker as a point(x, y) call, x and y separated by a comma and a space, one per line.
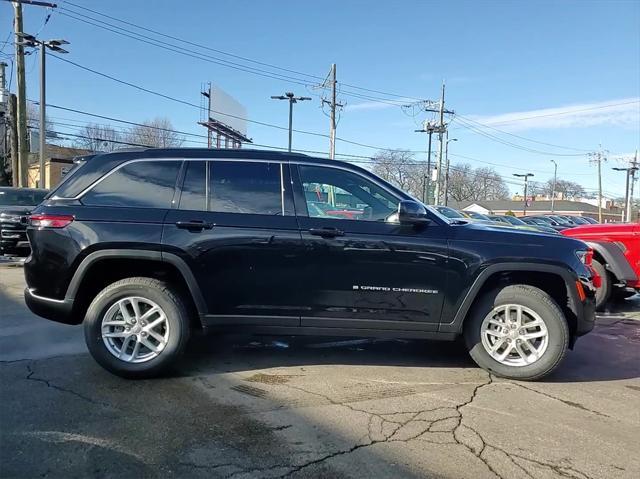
point(316, 407)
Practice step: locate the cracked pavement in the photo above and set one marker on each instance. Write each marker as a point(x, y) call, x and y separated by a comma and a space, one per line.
point(240, 407)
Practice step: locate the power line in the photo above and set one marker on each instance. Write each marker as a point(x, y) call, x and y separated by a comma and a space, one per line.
point(519, 136)
point(231, 55)
point(227, 63)
point(515, 145)
point(366, 159)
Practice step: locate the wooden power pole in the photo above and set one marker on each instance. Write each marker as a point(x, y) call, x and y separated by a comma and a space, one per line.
point(23, 147)
point(13, 126)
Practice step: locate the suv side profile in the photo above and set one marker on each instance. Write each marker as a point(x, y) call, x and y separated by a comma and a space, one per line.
point(144, 247)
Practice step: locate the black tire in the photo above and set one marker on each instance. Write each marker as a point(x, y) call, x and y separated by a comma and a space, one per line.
point(539, 302)
point(160, 293)
point(603, 293)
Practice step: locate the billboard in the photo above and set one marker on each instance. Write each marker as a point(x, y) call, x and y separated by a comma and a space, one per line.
point(227, 110)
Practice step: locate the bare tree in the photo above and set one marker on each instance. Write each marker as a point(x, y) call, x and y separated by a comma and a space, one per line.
point(97, 137)
point(156, 133)
point(401, 169)
point(564, 189)
point(33, 122)
point(468, 184)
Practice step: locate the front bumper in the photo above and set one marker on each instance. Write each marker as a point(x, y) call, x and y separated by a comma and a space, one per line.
point(585, 306)
point(13, 237)
point(60, 311)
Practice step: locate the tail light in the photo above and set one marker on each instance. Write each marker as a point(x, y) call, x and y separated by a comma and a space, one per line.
point(50, 221)
point(585, 256)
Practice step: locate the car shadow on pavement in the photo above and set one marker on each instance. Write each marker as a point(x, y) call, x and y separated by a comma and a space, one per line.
point(611, 352)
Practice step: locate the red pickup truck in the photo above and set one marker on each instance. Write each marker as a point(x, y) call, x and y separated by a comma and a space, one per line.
point(616, 258)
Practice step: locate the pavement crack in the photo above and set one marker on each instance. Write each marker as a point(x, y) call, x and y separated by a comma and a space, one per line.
point(31, 377)
point(564, 401)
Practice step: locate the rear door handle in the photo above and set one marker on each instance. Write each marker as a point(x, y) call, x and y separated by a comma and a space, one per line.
point(195, 225)
point(326, 232)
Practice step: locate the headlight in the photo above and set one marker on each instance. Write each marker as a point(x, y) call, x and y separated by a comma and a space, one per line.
point(585, 256)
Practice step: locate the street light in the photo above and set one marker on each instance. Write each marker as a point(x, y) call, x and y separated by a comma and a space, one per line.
point(526, 180)
point(446, 174)
point(292, 99)
point(54, 46)
point(553, 190)
point(627, 204)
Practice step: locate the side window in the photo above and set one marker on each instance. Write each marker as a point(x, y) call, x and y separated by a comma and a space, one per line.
point(339, 194)
point(245, 187)
point(141, 184)
point(194, 187)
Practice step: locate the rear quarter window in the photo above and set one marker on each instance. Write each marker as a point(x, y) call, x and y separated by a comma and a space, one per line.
point(141, 184)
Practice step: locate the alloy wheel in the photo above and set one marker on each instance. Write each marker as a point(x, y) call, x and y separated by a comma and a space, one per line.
point(135, 329)
point(514, 335)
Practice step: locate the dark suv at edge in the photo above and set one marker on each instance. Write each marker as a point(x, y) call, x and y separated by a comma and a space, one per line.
point(146, 246)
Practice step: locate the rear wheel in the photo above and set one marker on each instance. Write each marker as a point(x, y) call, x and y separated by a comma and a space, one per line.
point(603, 293)
point(517, 332)
point(136, 327)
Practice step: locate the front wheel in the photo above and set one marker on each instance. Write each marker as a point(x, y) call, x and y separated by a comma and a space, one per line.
point(136, 327)
point(517, 332)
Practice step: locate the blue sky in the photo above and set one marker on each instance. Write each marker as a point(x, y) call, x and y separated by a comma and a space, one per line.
point(564, 73)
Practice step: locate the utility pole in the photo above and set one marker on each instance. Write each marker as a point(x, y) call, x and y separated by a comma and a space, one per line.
point(13, 126)
point(441, 131)
point(53, 45)
point(553, 190)
point(426, 180)
point(526, 181)
point(292, 99)
point(598, 157)
point(440, 128)
point(630, 176)
point(446, 173)
point(21, 89)
point(4, 110)
point(333, 105)
point(633, 180)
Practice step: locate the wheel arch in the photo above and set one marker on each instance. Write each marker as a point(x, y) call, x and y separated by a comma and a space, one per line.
point(555, 280)
point(104, 267)
point(612, 258)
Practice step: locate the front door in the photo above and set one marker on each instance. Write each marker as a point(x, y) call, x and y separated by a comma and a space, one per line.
point(234, 226)
point(361, 268)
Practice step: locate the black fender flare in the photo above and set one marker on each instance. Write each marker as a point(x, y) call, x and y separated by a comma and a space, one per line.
point(569, 278)
point(151, 255)
point(615, 261)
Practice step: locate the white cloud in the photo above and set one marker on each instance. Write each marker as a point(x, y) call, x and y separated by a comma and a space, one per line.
point(622, 113)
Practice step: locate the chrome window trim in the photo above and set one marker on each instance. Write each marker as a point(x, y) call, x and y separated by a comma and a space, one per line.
point(140, 160)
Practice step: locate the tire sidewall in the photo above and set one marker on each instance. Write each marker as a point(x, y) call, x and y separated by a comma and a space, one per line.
point(603, 293)
point(174, 311)
point(529, 297)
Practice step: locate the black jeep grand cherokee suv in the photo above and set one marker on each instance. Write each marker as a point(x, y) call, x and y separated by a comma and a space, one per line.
point(144, 247)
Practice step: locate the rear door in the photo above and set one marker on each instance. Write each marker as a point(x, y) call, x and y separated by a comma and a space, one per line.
point(234, 226)
point(362, 269)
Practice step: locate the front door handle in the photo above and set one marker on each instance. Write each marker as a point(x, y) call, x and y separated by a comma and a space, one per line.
point(326, 232)
point(194, 225)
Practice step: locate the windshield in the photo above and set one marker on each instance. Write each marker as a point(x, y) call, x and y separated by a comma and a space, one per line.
point(21, 197)
point(478, 216)
point(449, 212)
point(514, 221)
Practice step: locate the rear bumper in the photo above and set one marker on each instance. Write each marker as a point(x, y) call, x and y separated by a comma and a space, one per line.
point(60, 311)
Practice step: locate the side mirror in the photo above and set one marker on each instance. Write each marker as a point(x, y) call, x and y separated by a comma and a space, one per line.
point(413, 213)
